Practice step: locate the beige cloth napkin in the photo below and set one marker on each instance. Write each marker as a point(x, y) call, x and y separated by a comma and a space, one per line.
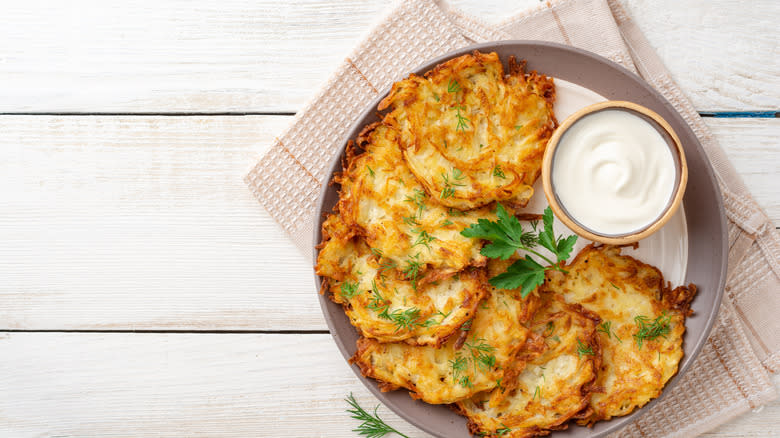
point(731, 374)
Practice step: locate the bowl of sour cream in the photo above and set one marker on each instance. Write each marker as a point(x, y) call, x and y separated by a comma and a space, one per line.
point(614, 172)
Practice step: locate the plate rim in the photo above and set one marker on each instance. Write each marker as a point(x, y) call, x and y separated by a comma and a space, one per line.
point(615, 423)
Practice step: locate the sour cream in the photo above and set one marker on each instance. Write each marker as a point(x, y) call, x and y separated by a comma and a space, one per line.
point(613, 172)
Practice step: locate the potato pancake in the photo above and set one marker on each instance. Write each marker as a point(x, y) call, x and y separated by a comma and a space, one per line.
point(554, 373)
point(392, 210)
point(474, 361)
point(385, 306)
point(471, 134)
point(643, 322)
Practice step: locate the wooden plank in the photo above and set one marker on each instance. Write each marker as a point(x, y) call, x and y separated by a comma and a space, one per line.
point(228, 385)
point(145, 223)
point(261, 56)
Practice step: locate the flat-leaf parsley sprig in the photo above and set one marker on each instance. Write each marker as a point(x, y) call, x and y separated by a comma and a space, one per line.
point(506, 236)
point(372, 426)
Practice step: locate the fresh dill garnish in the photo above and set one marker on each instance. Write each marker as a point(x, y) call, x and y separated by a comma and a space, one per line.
point(453, 86)
point(412, 269)
point(498, 173)
point(423, 238)
point(606, 328)
point(583, 349)
point(463, 121)
point(651, 329)
point(549, 328)
point(445, 144)
point(349, 290)
point(372, 426)
point(503, 430)
point(407, 319)
point(458, 367)
point(498, 384)
point(455, 213)
point(556, 338)
point(518, 127)
point(378, 303)
point(506, 236)
point(418, 199)
point(537, 393)
point(466, 325)
point(436, 96)
point(376, 252)
point(370, 170)
point(451, 182)
point(481, 354)
point(613, 285)
point(445, 223)
point(410, 220)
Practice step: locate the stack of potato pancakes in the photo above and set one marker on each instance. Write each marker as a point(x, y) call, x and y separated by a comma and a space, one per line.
point(595, 342)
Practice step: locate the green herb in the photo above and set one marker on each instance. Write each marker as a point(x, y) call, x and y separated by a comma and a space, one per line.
point(518, 127)
point(583, 349)
point(349, 290)
point(497, 172)
point(370, 170)
point(455, 213)
point(418, 199)
point(498, 385)
point(423, 238)
point(458, 367)
point(378, 303)
point(466, 325)
point(652, 329)
point(446, 223)
point(463, 121)
point(410, 220)
point(606, 327)
point(556, 338)
point(453, 86)
point(412, 269)
point(507, 236)
point(480, 354)
point(451, 182)
point(436, 96)
point(445, 144)
point(372, 426)
point(549, 328)
point(537, 392)
point(613, 285)
point(376, 252)
point(407, 319)
point(504, 430)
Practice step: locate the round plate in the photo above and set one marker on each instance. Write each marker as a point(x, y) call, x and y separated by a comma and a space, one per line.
point(697, 246)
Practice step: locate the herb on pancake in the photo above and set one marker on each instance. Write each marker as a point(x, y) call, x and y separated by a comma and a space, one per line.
point(459, 366)
point(372, 426)
point(446, 223)
point(423, 238)
point(507, 236)
point(583, 349)
point(503, 430)
point(498, 173)
point(412, 269)
point(378, 303)
point(349, 290)
point(370, 170)
point(453, 86)
point(537, 392)
point(606, 328)
point(463, 121)
point(408, 319)
point(418, 199)
point(652, 329)
point(451, 182)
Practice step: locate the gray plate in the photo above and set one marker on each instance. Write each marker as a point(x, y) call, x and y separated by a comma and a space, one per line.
point(707, 245)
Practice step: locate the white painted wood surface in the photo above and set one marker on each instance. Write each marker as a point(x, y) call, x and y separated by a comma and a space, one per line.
point(126, 223)
point(185, 385)
point(144, 223)
point(258, 56)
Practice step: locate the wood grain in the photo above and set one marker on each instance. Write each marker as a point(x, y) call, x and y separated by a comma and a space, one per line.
point(246, 55)
point(144, 223)
point(166, 385)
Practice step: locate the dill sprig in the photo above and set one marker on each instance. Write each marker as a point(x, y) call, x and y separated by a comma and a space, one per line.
point(349, 290)
point(372, 426)
point(423, 238)
point(498, 173)
point(583, 349)
point(418, 199)
point(480, 354)
point(606, 328)
point(451, 182)
point(453, 86)
point(652, 329)
point(412, 269)
point(463, 121)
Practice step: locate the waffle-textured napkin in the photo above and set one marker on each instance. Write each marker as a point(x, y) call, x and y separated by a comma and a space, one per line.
point(731, 375)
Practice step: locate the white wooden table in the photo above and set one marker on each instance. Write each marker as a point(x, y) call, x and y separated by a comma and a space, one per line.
point(144, 292)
